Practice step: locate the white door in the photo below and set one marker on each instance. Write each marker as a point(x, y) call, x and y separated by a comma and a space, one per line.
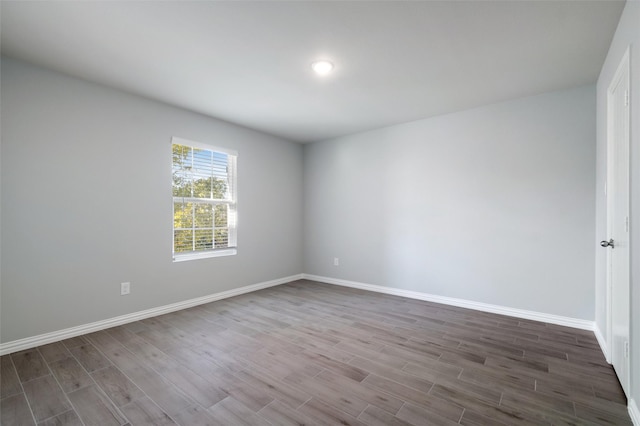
point(617, 242)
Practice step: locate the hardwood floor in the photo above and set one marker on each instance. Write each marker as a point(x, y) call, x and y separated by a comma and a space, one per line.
point(306, 353)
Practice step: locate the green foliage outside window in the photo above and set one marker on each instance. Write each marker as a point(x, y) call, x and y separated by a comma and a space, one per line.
point(201, 199)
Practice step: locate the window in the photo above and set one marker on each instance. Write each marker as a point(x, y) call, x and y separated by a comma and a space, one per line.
point(204, 200)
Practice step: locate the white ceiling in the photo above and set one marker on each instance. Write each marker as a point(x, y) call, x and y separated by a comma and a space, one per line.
point(249, 62)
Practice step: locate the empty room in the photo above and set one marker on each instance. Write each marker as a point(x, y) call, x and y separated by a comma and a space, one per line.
point(320, 212)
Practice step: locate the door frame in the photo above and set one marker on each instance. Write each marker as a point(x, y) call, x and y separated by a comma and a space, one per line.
point(624, 65)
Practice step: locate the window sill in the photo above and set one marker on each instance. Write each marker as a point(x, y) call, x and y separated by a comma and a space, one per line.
point(204, 255)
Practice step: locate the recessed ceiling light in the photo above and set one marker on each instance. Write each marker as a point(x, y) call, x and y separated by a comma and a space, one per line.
point(322, 67)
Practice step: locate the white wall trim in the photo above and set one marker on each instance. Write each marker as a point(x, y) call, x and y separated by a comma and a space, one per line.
point(462, 303)
point(55, 336)
point(602, 342)
point(634, 412)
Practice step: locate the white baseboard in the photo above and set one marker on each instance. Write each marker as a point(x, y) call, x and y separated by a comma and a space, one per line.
point(43, 339)
point(602, 342)
point(478, 306)
point(634, 412)
point(55, 336)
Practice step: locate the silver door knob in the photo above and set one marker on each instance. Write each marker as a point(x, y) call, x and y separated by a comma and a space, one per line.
point(607, 243)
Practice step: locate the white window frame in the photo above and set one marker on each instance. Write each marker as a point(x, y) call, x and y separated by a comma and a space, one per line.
point(233, 201)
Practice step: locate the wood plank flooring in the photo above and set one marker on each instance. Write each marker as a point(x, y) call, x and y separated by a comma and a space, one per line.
point(306, 353)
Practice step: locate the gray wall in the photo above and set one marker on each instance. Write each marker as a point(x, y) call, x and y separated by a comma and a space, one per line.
point(628, 33)
point(494, 205)
point(86, 203)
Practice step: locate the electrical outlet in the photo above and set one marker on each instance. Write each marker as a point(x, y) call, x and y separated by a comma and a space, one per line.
point(336, 261)
point(125, 288)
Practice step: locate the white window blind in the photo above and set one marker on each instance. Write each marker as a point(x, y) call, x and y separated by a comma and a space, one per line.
point(204, 200)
